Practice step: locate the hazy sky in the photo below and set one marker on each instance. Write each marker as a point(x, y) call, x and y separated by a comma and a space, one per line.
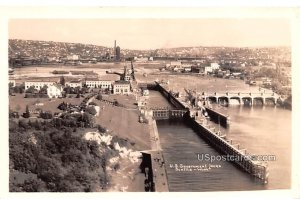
point(156, 33)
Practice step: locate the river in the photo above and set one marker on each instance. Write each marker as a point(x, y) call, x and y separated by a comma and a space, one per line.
point(260, 130)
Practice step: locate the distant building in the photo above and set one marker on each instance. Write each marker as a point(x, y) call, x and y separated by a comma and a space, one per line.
point(266, 81)
point(175, 64)
point(73, 57)
point(121, 87)
point(96, 83)
point(145, 92)
point(74, 83)
point(214, 66)
point(208, 69)
point(54, 91)
point(127, 77)
point(38, 84)
point(141, 59)
point(187, 69)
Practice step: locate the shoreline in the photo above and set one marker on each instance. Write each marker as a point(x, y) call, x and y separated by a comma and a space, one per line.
point(160, 177)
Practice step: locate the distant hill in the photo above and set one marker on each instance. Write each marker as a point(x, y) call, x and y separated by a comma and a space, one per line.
point(42, 49)
point(39, 49)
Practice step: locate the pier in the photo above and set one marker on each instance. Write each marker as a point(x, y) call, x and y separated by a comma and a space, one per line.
point(224, 146)
point(153, 164)
point(218, 117)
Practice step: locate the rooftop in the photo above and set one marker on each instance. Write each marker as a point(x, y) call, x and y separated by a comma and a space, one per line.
point(122, 82)
point(92, 79)
point(75, 81)
point(41, 80)
point(58, 86)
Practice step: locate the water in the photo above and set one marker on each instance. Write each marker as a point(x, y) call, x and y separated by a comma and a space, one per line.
point(46, 70)
point(261, 130)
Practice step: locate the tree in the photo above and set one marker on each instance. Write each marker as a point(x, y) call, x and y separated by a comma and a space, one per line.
point(62, 106)
point(67, 89)
point(23, 124)
point(46, 115)
point(10, 85)
point(26, 114)
point(62, 80)
point(31, 89)
point(91, 110)
point(101, 129)
point(43, 89)
point(33, 185)
point(116, 103)
point(37, 125)
point(99, 97)
point(87, 119)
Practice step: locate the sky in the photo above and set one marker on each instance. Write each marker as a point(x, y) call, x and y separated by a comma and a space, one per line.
point(156, 33)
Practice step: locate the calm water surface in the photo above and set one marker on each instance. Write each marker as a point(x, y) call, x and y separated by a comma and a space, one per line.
point(260, 130)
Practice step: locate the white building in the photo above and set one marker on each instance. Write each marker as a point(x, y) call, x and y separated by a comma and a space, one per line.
point(187, 68)
point(74, 83)
point(175, 64)
point(214, 66)
point(208, 69)
point(96, 83)
point(122, 87)
point(127, 77)
point(145, 92)
point(141, 59)
point(54, 91)
point(38, 84)
point(73, 57)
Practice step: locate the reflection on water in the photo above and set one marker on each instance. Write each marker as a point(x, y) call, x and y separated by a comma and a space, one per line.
point(261, 130)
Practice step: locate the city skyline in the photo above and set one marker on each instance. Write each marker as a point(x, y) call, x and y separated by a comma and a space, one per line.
point(147, 34)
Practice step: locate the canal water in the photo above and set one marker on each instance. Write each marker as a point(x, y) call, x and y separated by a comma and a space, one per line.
point(261, 130)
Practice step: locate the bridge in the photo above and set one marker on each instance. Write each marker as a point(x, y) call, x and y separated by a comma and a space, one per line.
point(243, 98)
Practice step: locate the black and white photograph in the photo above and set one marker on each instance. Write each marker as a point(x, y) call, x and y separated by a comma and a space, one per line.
point(158, 104)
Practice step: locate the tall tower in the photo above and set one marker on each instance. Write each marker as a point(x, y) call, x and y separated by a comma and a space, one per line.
point(118, 53)
point(115, 46)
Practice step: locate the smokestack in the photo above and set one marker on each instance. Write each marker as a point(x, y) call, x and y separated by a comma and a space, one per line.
point(115, 46)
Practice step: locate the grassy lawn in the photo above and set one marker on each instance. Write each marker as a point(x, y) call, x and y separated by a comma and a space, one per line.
point(129, 101)
point(18, 103)
point(124, 123)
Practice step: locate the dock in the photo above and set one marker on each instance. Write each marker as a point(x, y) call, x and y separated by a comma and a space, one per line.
point(218, 117)
point(155, 172)
point(226, 147)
